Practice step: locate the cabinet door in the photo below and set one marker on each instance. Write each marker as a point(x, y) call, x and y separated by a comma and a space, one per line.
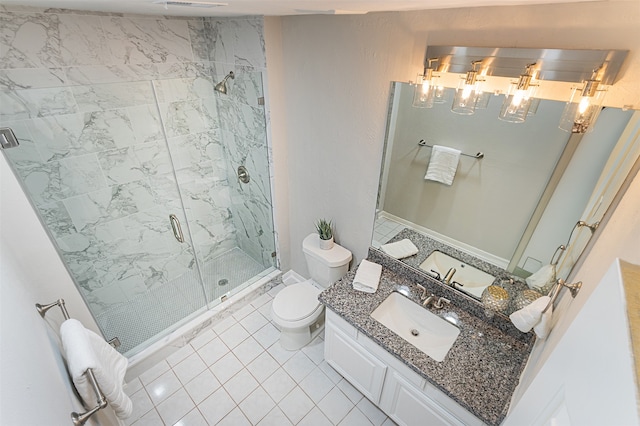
point(410, 407)
point(363, 370)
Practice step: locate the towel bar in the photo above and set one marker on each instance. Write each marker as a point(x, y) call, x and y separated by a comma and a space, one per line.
point(78, 419)
point(573, 288)
point(478, 156)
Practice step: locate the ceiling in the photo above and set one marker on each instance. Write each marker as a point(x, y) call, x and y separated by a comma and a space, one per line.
point(266, 7)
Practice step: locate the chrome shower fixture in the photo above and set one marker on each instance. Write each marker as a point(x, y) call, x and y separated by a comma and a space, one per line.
point(222, 86)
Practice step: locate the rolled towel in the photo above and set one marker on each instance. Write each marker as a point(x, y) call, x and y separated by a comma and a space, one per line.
point(543, 327)
point(543, 279)
point(526, 318)
point(85, 349)
point(367, 277)
point(443, 164)
point(400, 249)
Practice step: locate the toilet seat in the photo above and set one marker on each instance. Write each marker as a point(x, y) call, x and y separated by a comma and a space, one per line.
point(296, 302)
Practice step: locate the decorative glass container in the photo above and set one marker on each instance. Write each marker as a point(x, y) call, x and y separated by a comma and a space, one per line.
point(524, 298)
point(495, 299)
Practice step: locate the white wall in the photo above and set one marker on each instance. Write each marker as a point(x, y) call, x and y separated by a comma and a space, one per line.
point(337, 72)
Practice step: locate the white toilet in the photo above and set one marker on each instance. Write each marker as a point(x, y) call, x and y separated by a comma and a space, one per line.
point(296, 309)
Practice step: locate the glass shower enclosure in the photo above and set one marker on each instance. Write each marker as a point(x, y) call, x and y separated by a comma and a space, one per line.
point(138, 186)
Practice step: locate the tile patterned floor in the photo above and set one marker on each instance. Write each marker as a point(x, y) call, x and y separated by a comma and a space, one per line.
point(236, 373)
point(385, 229)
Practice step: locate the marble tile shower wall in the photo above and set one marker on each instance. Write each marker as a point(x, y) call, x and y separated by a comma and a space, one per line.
point(92, 98)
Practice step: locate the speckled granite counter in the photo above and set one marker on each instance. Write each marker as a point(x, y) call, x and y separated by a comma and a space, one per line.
point(484, 364)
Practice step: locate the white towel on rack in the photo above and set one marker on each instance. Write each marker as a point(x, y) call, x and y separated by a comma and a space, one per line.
point(400, 249)
point(85, 349)
point(543, 279)
point(526, 318)
point(543, 327)
point(367, 277)
point(443, 164)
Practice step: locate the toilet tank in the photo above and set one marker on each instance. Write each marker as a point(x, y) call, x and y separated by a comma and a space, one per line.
point(325, 266)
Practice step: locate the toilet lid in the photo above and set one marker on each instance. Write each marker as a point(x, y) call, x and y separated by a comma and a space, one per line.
point(296, 301)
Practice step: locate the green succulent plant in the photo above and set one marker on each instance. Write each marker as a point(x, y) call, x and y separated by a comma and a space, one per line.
point(324, 229)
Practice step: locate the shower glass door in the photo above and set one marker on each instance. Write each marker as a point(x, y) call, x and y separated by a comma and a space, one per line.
point(136, 184)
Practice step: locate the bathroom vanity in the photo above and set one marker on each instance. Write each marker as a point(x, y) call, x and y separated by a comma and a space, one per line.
point(473, 383)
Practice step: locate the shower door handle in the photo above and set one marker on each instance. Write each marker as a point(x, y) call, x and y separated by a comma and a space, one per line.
point(177, 229)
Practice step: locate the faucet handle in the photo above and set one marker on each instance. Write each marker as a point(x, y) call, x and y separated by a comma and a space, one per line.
point(455, 283)
point(435, 275)
point(424, 292)
point(439, 304)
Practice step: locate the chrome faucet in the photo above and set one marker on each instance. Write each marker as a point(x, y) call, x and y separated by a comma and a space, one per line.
point(435, 302)
point(448, 276)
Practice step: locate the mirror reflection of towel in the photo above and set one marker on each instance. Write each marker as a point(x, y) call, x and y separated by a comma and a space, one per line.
point(443, 164)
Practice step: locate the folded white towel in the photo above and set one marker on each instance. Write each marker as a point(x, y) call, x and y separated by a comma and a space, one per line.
point(543, 279)
point(400, 249)
point(526, 318)
point(367, 277)
point(443, 164)
point(543, 327)
point(85, 349)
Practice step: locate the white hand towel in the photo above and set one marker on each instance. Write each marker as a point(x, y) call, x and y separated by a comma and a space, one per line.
point(526, 318)
point(400, 249)
point(367, 277)
point(443, 164)
point(543, 279)
point(85, 349)
point(543, 328)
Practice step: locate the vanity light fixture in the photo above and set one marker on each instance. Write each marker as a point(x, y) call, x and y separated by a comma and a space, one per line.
point(519, 97)
point(584, 106)
point(469, 93)
point(425, 92)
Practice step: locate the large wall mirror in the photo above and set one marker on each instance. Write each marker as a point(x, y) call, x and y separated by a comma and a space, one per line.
point(515, 206)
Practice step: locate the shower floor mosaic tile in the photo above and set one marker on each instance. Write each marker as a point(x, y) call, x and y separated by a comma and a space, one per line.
point(167, 306)
point(236, 373)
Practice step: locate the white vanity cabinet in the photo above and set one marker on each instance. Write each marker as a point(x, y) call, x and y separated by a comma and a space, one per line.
point(405, 396)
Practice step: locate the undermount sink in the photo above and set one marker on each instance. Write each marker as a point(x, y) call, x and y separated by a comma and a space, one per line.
point(473, 280)
point(428, 332)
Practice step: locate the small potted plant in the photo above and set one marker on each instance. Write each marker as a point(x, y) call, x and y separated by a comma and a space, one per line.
point(325, 232)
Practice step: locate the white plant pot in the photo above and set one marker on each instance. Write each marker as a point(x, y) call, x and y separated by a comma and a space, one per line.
point(326, 244)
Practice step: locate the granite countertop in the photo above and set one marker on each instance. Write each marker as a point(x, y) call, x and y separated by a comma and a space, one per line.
point(482, 368)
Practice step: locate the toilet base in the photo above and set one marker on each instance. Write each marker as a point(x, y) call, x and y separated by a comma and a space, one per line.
point(292, 339)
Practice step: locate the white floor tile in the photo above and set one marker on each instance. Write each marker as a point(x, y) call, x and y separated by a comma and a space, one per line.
point(216, 406)
point(175, 407)
point(240, 385)
point(193, 418)
point(224, 324)
point(234, 418)
point(254, 322)
point(263, 366)
point(315, 417)
point(180, 355)
point(315, 350)
point(162, 387)
point(202, 339)
point(352, 393)
point(154, 372)
point(298, 366)
point(355, 417)
point(279, 353)
point(257, 405)
point(275, 290)
point(373, 413)
point(261, 300)
point(317, 385)
point(267, 335)
point(226, 367)
point(202, 386)
point(243, 312)
point(213, 351)
point(248, 350)
point(142, 404)
point(296, 405)
point(189, 368)
point(335, 405)
point(132, 386)
point(265, 309)
point(332, 374)
point(275, 418)
point(152, 418)
point(279, 384)
point(234, 335)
